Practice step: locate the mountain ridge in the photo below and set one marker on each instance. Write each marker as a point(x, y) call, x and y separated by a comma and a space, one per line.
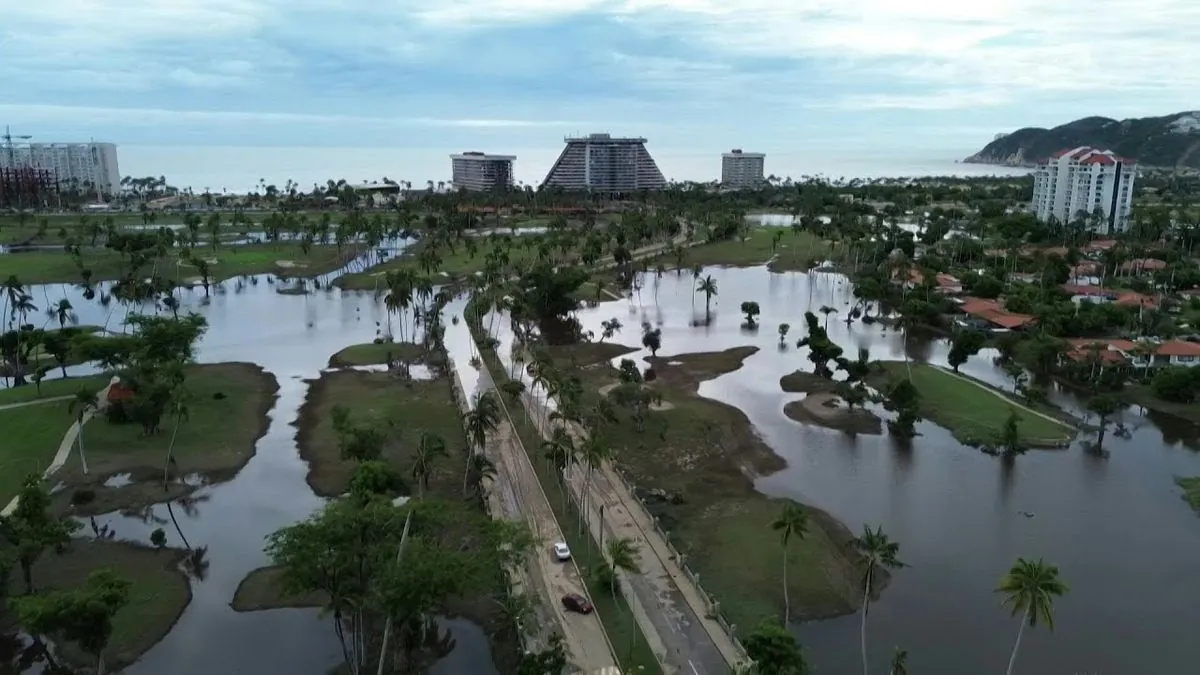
point(1170, 141)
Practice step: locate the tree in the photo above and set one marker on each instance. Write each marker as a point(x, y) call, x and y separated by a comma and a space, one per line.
point(1010, 441)
point(429, 448)
point(84, 403)
point(83, 615)
point(180, 410)
point(751, 310)
point(903, 398)
point(622, 555)
point(964, 344)
point(1104, 405)
point(774, 650)
point(31, 529)
point(792, 522)
point(899, 662)
point(550, 661)
point(783, 331)
point(482, 418)
point(707, 286)
point(610, 328)
point(1030, 589)
point(651, 338)
point(876, 553)
point(827, 310)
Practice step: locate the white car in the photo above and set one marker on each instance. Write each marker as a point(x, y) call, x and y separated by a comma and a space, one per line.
point(562, 551)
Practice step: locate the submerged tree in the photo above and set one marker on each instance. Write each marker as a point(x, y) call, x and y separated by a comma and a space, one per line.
point(1030, 589)
point(877, 553)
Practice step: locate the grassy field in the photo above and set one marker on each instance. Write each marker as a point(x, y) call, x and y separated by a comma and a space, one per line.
point(1191, 490)
point(1143, 395)
point(260, 590)
point(627, 639)
point(38, 267)
point(52, 389)
point(411, 407)
point(456, 264)
point(159, 594)
point(32, 434)
point(791, 252)
point(974, 413)
point(375, 354)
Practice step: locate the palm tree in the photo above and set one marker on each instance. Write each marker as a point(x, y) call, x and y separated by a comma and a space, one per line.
point(63, 312)
point(480, 467)
point(483, 417)
point(84, 402)
point(827, 310)
point(593, 453)
point(1030, 589)
point(792, 522)
point(876, 552)
point(622, 555)
point(429, 448)
point(899, 662)
point(179, 407)
point(707, 286)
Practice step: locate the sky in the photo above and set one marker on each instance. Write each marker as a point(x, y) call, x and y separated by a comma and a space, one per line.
point(765, 75)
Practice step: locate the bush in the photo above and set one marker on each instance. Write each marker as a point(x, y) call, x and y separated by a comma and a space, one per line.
point(82, 497)
point(1176, 383)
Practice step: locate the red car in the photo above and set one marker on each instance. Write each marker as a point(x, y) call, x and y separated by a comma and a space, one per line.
point(577, 603)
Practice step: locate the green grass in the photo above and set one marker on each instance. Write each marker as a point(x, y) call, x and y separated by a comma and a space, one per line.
point(375, 353)
point(793, 251)
point(31, 437)
point(52, 388)
point(974, 413)
point(1143, 395)
point(159, 593)
point(456, 264)
point(1191, 490)
point(412, 407)
point(227, 413)
point(259, 590)
point(38, 267)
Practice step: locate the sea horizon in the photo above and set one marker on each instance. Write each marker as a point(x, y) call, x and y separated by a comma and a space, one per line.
point(239, 169)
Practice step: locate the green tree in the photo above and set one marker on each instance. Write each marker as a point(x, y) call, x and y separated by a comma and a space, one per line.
point(707, 286)
point(429, 449)
point(1104, 406)
point(964, 344)
point(83, 615)
point(1010, 441)
point(549, 661)
point(751, 310)
point(1030, 589)
point(31, 529)
point(774, 650)
point(876, 553)
point(899, 662)
point(651, 338)
point(792, 522)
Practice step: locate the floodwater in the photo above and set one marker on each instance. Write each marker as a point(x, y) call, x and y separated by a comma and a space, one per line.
point(292, 337)
point(1116, 527)
point(1124, 540)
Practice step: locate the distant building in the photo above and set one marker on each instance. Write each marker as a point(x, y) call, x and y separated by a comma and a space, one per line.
point(1084, 181)
point(477, 171)
point(76, 166)
point(25, 187)
point(742, 169)
point(601, 163)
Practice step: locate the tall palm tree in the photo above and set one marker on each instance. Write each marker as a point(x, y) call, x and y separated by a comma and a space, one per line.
point(559, 450)
point(876, 552)
point(430, 447)
point(84, 402)
point(63, 312)
point(483, 417)
point(827, 310)
point(792, 522)
point(480, 467)
point(899, 662)
point(622, 555)
point(594, 452)
point(707, 286)
point(179, 408)
point(1030, 589)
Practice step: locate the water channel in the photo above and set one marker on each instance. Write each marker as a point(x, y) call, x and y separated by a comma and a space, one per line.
point(1116, 527)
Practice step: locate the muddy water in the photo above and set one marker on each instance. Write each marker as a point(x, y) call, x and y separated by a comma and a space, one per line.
point(1125, 542)
point(292, 337)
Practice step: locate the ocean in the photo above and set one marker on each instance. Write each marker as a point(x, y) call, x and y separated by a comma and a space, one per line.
point(240, 169)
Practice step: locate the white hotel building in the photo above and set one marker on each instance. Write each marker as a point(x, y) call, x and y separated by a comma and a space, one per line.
point(76, 166)
point(477, 171)
point(742, 169)
point(1085, 179)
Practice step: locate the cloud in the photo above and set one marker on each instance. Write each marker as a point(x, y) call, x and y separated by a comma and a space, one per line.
point(933, 100)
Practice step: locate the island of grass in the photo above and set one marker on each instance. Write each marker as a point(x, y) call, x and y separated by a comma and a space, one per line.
point(705, 453)
point(972, 411)
point(261, 590)
point(227, 414)
point(225, 262)
point(784, 250)
point(1191, 490)
point(376, 353)
point(157, 597)
point(822, 406)
point(463, 260)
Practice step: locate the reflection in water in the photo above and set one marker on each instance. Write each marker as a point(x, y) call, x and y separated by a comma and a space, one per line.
point(1124, 540)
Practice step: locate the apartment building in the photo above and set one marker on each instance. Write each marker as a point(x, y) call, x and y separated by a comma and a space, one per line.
point(1085, 180)
point(76, 166)
point(742, 169)
point(478, 171)
point(602, 163)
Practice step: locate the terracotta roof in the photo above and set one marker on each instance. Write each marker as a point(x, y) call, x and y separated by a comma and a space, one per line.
point(1088, 290)
point(1101, 244)
point(1081, 152)
point(1178, 348)
point(1116, 345)
point(993, 311)
point(1151, 264)
point(1135, 299)
point(1100, 159)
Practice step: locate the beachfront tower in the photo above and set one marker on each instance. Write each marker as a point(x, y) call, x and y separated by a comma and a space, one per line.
point(1086, 184)
point(740, 170)
point(602, 163)
point(477, 171)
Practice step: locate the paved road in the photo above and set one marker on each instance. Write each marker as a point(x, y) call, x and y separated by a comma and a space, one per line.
point(519, 496)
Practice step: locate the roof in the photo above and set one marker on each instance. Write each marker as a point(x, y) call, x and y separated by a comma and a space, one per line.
point(1152, 264)
point(1086, 348)
point(1091, 156)
point(993, 311)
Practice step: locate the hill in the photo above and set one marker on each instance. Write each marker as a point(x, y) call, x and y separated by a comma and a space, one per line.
point(1170, 141)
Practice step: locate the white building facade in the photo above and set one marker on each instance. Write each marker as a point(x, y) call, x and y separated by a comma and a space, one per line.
point(603, 163)
point(742, 169)
point(1085, 180)
point(477, 171)
point(76, 166)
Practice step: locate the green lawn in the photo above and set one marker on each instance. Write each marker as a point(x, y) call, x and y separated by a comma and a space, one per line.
point(376, 353)
point(52, 388)
point(1191, 490)
point(39, 267)
point(974, 413)
point(792, 252)
point(461, 262)
point(1143, 395)
point(31, 437)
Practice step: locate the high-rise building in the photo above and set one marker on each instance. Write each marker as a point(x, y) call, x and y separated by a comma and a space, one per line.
point(479, 171)
point(76, 166)
point(742, 169)
point(601, 163)
point(1081, 182)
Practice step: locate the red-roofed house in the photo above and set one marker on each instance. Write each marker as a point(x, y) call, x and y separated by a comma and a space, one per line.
point(1143, 354)
point(1088, 293)
point(1143, 266)
point(991, 313)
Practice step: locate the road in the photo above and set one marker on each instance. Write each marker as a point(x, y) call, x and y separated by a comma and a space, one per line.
point(517, 494)
point(672, 605)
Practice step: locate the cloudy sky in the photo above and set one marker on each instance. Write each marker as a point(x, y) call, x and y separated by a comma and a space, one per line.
point(760, 74)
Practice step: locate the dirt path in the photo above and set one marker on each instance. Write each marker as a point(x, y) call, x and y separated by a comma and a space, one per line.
point(519, 496)
point(671, 606)
point(1011, 401)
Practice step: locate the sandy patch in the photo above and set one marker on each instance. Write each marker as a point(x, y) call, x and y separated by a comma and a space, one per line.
point(210, 261)
point(658, 407)
point(827, 410)
point(289, 264)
